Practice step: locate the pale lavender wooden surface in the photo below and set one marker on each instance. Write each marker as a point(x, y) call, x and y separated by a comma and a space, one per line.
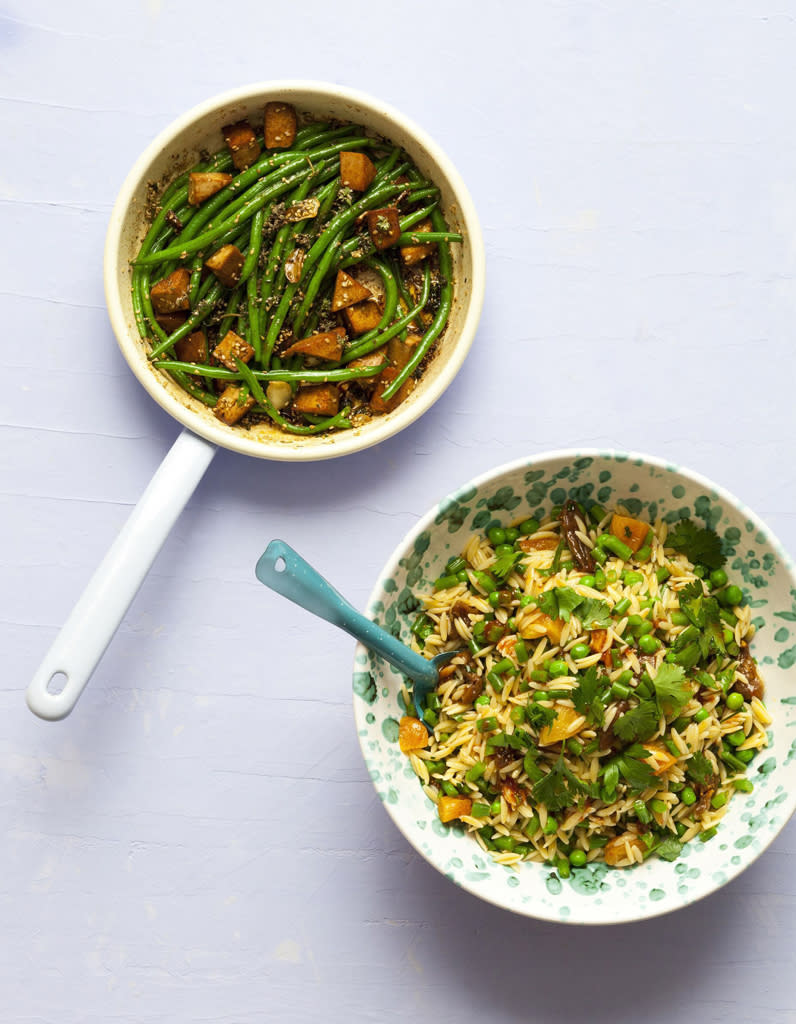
point(199, 841)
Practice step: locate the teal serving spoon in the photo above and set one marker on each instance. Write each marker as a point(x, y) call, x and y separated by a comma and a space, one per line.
point(285, 571)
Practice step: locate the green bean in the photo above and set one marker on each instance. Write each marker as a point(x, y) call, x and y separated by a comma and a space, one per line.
point(337, 421)
point(375, 339)
point(423, 237)
point(202, 311)
point(291, 376)
point(437, 324)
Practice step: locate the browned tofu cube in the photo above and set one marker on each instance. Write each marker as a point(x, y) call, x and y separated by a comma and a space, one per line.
point(242, 144)
point(171, 321)
point(193, 348)
point(356, 170)
point(318, 400)
point(384, 227)
point(327, 345)
point(172, 293)
point(226, 264)
point(348, 291)
point(232, 347)
point(371, 360)
point(203, 185)
point(399, 352)
point(280, 125)
point(411, 254)
point(364, 316)
point(377, 403)
point(228, 409)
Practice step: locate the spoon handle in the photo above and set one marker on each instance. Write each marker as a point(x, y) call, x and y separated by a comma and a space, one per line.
point(285, 571)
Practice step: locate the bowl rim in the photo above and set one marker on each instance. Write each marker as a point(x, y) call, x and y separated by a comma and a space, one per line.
point(292, 449)
point(427, 520)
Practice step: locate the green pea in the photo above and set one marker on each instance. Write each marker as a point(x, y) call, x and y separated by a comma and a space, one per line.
point(600, 581)
point(745, 756)
point(658, 806)
point(494, 807)
point(700, 571)
point(550, 827)
point(727, 635)
point(587, 581)
point(735, 739)
point(645, 628)
point(497, 535)
point(494, 598)
point(527, 600)
point(577, 858)
point(489, 724)
point(529, 526)
point(563, 868)
point(732, 596)
point(718, 578)
point(719, 800)
point(743, 785)
point(734, 701)
point(701, 715)
point(481, 701)
point(431, 718)
point(579, 651)
point(688, 796)
point(512, 533)
point(612, 576)
point(679, 619)
point(462, 576)
point(631, 578)
point(531, 826)
point(649, 644)
point(517, 715)
point(557, 668)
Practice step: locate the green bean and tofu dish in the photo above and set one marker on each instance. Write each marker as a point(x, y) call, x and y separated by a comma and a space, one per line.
point(606, 705)
point(301, 276)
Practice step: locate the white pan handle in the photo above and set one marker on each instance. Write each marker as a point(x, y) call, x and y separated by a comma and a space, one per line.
point(88, 630)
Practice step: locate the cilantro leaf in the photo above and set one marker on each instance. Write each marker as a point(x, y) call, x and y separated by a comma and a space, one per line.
point(703, 612)
point(698, 544)
point(699, 769)
point(637, 724)
point(672, 689)
point(560, 602)
point(637, 774)
point(669, 848)
point(504, 563)
point(587, 696)
point(539, 716)
point(558, 788)
point(594, 613)
point(548, 604)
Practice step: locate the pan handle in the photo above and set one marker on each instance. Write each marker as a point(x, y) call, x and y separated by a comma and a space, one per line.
point(99, 611)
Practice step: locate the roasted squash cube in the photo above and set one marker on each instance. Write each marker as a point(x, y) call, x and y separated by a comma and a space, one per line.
point(452, 807)
point(193, 348)
point(327, 345)
point(280, 125)
point(348, 291)
point(412, 734)
point(411, 254)
point(202, 185)
point(632, 532)
point(232, 347)
point(226, 264)
point(318, 400)
point(566, 724)
point(228, 409)
point(242, 144)
point(373, 359)
point(356, 170)
point(364, 316)
point(383, 226)
point(172, 293)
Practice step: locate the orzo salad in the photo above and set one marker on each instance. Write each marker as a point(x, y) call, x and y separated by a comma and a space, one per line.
point(605, 705)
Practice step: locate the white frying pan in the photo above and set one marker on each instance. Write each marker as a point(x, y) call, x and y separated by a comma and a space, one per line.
point(77, 649)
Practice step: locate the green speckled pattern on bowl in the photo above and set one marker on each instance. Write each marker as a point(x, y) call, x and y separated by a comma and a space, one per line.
point(647, 488)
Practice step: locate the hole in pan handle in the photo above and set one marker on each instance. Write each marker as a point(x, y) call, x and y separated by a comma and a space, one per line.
point(95, 618)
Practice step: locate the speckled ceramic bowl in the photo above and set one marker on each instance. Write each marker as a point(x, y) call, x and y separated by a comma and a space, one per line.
point(594, 894)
